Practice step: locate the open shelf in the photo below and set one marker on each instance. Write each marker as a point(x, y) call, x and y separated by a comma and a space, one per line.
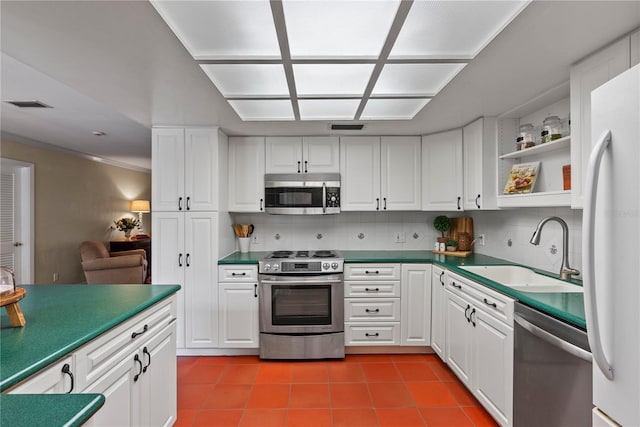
point(557, 144)
point(541, 199)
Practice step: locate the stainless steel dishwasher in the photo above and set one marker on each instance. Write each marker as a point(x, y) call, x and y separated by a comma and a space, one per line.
point(552, 372)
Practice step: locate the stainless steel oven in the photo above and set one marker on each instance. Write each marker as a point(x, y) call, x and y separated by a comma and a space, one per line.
point(301, 305)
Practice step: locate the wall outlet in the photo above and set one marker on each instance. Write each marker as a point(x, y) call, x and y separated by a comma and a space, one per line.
point(400, 237)
point(254, 239)
point(480, 240)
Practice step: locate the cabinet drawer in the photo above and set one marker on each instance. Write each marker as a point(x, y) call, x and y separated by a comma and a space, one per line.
point(499, 305)
point(48, 380)
point(372, 272)
point(100, 355)
point(372, 334)
point(238, 273)
point(377, 289)
point(368, 309)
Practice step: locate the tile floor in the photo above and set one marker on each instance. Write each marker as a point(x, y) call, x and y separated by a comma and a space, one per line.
point(362, 390)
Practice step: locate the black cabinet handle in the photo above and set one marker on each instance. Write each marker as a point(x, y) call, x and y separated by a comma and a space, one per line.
point(473, 322)
point(255, 290)
point(179, 260)
point(179, 203)
point(455, 285)
point(136, 359)
point(367, 334)
point(441, 275)
point(385, 203)
point(372, 289)
point(466, 316)
point(375, 310)
point(371, 272)
point(459, 202)
point(305, 167)
point(145, 328)
point(377, 203)
point(239, 274)
point(298, 166)
point(261, 201)
point(188, 260)
point(492, 304)
point(66, 369)
point(188, 203)
point(478, 204)
point(145, 352)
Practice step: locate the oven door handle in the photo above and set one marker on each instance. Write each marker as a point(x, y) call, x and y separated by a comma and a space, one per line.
point(299, 282)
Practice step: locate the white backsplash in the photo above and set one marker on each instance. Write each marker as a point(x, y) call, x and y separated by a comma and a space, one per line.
point(377, 231)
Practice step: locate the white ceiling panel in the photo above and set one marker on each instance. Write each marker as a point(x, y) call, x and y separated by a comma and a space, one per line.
point(338, 29)
point(449, 29)
point(393, 109)
point(415, 79)
point(248, 79)
point(328, 109)
point(222, 29)
point(331, 79)
point(259, 110)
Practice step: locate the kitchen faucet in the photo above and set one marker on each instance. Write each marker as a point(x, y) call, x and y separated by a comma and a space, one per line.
point(565, 271)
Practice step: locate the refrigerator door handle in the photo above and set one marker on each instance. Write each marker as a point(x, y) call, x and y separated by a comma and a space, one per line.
point(588, 251)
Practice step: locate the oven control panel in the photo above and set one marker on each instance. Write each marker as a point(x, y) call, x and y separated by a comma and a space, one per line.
point(284, 267)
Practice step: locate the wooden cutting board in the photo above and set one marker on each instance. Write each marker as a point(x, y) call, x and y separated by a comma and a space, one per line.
point(454, 253)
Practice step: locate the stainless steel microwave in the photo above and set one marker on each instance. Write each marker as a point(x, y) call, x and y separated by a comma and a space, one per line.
point(302, 194)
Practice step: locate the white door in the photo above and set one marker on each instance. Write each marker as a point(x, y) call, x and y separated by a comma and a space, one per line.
point(16, 219)
point(238, 305)
point(415, 297)
point(321, 154)
point(442, 171)
point(459, 337)
point(167, 164)
point(438, 312)
point(401, 163)
point(246, 174)
point(283, 154)
point(200, 168)
point(360, 173)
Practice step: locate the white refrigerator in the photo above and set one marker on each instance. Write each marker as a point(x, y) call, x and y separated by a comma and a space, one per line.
point(611, 254)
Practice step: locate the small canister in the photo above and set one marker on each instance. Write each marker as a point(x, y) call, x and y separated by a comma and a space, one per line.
point(551, 129)
point(525, 137)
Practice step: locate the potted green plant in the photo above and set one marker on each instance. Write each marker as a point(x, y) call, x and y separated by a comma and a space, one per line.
point(452, 245)
point(442, 224)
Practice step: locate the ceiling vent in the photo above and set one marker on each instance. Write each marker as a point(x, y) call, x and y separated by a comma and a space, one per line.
point(347, 127)
point(28, 104)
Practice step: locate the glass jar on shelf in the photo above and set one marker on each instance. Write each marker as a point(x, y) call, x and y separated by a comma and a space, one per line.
point(525, 137)
point(551, 129)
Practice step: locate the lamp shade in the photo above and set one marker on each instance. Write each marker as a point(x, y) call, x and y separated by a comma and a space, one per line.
point(140, 206)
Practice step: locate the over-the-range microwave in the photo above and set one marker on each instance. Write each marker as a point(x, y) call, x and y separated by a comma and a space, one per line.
point(302, 193)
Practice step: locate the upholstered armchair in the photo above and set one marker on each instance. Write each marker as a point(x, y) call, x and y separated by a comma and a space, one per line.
point(103, 267)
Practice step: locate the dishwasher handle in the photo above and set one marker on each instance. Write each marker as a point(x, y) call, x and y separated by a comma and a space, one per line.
point(552, 339)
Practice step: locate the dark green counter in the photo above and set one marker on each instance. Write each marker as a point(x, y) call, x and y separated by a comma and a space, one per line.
point(61, 318)
point(568, 307)
point(48, 410)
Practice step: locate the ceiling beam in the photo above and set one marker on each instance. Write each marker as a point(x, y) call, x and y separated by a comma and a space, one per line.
point(283, 40)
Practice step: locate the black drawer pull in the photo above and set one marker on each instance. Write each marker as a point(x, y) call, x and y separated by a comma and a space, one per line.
point(144, 329)
point(367, 334)
point(179, 260)
point(188, 203)
point(255, 290)
point(375, 310)
point(372, 289)
point(492, 304)
point(238, 274)
point(473, 322)
point(66, 369)
point(146, 352)
point(371, 272)
point(441, 275)
point(466, 310)
point(179, 203)
point(136, 359)
point(456, 285)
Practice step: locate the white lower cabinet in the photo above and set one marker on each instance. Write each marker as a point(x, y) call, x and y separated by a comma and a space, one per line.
point(438, 311)
point(415, 323)
point(479, 344)
point(238, 298)
point(51, 380)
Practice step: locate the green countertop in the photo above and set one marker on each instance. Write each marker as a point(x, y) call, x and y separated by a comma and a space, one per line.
point(48, 410)
point(568, 307)
point(61, 318)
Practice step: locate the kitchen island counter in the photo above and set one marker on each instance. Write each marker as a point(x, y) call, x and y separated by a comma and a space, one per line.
point(47, 410)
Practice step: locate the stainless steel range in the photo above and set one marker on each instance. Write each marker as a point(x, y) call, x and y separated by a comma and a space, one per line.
point(301, 305)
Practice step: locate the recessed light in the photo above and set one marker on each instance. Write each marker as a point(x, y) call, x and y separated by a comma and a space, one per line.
point(29, 104)
point(98, 133)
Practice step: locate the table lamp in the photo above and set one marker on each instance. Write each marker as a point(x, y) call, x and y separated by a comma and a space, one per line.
point(140, 206)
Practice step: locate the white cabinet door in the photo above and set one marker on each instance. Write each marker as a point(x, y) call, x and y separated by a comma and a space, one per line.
point(283, 154)
point(246, 174)
point(401, 173)
point(118, 389)
point(459, 338)
point(442, 171)
point(438, 312)
point(493, 366)
point(167, 164)
point(238, 305)
point(415, 297)
point(200, 169)
point(321, 154)
point(479, 160)
point(201, 276)
point(360, 173)
point(585, 76)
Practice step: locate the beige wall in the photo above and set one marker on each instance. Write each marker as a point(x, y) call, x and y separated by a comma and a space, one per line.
point(75, 200)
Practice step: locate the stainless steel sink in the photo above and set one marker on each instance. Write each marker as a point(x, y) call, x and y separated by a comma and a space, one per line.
point(522, 279)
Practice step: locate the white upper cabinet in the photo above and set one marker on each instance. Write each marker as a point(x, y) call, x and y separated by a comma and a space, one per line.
point(442, 171)
point(246, 174)
point(587, 75)
point(479, 160)
point(185, 165)
point(360, 173)
point(401, 173)
point(319, 154)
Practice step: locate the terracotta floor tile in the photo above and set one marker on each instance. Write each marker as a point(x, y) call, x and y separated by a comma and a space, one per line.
point(245, 360)
point(431, 393)
point(218, 418)
point(445, 417)
point(405, 417)
point(416, 371)
point(239, 374)
point(368, 358)
point(214, 360)
point(186, 417)
point(479, 417)
point(310, 372)
point(263, 418)
point(192, 396)
point(309, 418)
point(346, 372)
point(363, 417)
point(269, 396)
point(309, 396)
point(442, 371)
point(390, 395)
point(228, 396)
point(461, 393)
point(410, 358)
point(274, 373)
point(381, 372)
point(349, 395)
point(203, 374)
